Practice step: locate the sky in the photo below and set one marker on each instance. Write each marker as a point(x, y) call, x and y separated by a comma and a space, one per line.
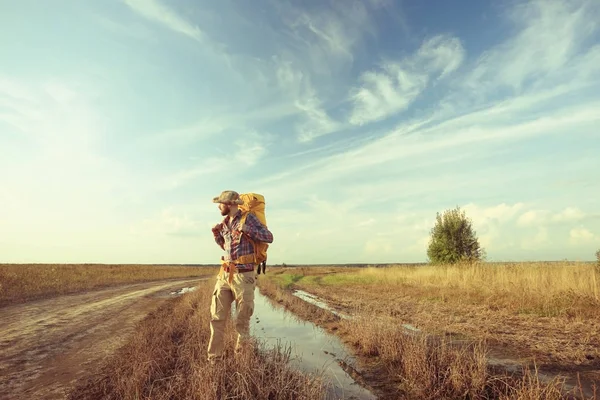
point(358, 121)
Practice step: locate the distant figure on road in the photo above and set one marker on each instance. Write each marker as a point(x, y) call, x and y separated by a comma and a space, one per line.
point(237, 279)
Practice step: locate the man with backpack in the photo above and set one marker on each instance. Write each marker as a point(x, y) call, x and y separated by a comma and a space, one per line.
point(244, 238)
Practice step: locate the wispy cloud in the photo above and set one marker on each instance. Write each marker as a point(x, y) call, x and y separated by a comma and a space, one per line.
point(315, 121)
point(357, 120)
point(327, 36)
point(396, 152)
point(241, 153)
point(395, 87)
point(155, 10)
point(250, 148)
point(551, 37)
point(537, 112)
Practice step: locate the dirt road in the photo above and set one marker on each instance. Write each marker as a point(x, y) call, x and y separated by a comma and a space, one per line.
point(46, 345)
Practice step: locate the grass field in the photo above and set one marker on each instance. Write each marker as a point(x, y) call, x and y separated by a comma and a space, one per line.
point(539, 313)
point(166, 359)
point(542, 289)
point(543, 313)
point(24, 282)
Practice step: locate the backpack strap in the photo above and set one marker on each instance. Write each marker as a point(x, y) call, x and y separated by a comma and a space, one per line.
point(243, 218)
point(241, 224)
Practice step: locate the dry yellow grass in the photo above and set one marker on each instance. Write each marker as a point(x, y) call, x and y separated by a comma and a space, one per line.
point(166, 359)
point(400, 365)
point(24, 282)
point(546, 289)
point(540, 309)
point(166, 356)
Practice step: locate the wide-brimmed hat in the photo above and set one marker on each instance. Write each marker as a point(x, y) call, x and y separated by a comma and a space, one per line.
point(228, 197)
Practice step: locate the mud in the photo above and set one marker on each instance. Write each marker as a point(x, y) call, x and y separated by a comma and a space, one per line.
point(47, 345)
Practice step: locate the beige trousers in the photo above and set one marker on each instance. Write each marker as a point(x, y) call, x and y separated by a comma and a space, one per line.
point(241, 290)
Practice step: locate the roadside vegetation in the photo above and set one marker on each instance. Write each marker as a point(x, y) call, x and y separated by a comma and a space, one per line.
point(542, 289)
point(25, 282)
point(166, 359)
point(453, 303)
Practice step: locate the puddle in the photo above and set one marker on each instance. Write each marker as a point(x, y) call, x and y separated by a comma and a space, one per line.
point(317, 301)
point(312, 299)
point(569, 381)
point(411, 330)
point(313, 350)
point(183, 291)
point(509, 365)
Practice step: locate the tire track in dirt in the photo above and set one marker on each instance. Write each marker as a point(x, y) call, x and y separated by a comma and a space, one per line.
point(47, 345)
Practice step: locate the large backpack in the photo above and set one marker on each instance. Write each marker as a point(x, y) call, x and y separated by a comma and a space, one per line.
point(255, 203)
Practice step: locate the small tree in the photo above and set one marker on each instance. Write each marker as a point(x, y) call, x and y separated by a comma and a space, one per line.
point(453, 239)
point(598, 259)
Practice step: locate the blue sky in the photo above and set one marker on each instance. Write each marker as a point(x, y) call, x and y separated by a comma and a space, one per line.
point(358, 121)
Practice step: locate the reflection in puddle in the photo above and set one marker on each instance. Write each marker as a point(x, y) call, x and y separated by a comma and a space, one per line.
point(313, 349)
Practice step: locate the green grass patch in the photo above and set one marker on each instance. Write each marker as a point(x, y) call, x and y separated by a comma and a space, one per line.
point(285, 280)
point(312, 280)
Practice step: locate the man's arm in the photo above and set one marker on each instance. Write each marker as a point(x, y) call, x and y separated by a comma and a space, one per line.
point(256, 230)
point(219, 239)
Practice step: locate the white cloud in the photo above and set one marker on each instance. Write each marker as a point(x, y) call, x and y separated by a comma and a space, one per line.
point(441, 55)
point(296, 84)
point(531, 218)
point(248, 152)
point(551, 35)
point(407, 238)
point(546, 217)
point(383, 94)
point(155, 11)
point(326, 37)
point(500, 213)
point(329, 30)
point(481, 136)
point(569, 214)
point(317, 122)
point(582, 236)
point(438, 143)
point(439, 136)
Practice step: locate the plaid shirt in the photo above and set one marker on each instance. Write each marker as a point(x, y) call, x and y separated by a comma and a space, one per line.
point(237, 244)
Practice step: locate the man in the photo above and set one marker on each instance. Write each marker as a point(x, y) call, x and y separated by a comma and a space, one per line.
point(236, 280)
